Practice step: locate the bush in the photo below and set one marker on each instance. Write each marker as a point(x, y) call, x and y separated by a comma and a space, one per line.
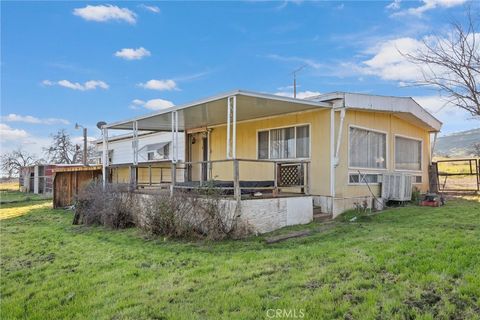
point(201, 214)
point(113, 207)
point(192, 215)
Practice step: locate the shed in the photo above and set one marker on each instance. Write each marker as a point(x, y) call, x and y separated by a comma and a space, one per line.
point(68, 181)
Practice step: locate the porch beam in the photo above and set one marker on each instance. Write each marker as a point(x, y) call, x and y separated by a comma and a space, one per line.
point(339, 137)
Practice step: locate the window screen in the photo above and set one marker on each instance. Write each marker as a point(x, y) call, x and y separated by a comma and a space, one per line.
point(282, 143)
point(367, 149)
point(408, 154)
point(303, 142)
point(263, 145)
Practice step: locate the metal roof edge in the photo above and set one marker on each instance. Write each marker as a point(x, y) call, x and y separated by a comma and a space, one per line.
point(222, 96)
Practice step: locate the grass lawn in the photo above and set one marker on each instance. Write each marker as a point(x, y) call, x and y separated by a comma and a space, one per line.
point(409, 262)
point(9, 196)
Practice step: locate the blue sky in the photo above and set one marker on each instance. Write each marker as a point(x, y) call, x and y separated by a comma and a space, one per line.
point(67, 62)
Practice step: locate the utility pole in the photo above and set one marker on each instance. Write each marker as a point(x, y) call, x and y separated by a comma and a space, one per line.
point(295, 80)
point(78, 126)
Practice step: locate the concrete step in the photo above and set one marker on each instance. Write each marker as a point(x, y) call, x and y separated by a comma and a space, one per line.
point(321, 217)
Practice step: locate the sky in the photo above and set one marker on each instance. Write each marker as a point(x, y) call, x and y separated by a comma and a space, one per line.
point(67, 62)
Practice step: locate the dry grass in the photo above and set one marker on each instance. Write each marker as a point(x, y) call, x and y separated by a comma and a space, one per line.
point(19, 209)
point(9, 185)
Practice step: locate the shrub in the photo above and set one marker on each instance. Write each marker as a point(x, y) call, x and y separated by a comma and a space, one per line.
point(202, 214)
point(192, 215)
point(113, 207)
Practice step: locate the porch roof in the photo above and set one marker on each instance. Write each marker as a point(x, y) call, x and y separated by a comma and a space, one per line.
point(213, 111)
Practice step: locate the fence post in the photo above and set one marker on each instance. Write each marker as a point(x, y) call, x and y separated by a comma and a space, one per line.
point(433, 177)
point(237, 193)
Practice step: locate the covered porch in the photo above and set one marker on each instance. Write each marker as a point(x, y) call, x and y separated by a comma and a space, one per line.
point(218, 155)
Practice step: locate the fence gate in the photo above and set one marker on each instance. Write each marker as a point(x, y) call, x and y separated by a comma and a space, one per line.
point(458, 174)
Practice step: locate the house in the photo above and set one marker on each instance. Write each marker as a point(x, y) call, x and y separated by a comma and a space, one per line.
point(154, 158)
point(278, 156)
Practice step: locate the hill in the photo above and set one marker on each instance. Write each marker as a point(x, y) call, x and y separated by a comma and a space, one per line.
point(457, 144)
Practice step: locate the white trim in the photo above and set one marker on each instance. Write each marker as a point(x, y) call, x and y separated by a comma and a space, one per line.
point(362, 183)
point(386, 149)
point(395, 155)
point(332, 155)
point(295, 141)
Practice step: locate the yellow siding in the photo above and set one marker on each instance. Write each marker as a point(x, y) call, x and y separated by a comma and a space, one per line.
point(392, 126)
point(319, 121)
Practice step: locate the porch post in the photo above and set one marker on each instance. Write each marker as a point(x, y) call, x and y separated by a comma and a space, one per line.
point(237, 193)
point(234, 142)
point(104, 157)
point(174, 151)
point(228, 127)
point(133, 172)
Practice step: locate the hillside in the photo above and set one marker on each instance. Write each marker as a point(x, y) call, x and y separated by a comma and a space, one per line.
point(457, 144)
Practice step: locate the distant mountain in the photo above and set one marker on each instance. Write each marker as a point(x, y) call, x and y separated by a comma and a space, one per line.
point(457, 144)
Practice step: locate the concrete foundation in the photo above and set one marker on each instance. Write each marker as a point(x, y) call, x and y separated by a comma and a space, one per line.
point(338, 206)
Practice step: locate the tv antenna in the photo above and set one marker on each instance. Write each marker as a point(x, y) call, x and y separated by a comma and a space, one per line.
point(295, 79)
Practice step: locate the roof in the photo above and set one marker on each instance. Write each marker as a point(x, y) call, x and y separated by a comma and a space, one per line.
point(403, 107)
point(212, 111)
point(77, 168)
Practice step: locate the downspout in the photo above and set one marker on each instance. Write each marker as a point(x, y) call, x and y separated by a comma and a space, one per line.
point(332, 154)
point(340, 135)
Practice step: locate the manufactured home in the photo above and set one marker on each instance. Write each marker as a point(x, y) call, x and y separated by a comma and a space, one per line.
point(279, 157)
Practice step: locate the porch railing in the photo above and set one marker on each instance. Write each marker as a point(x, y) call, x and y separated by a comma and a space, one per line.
point(246, 175)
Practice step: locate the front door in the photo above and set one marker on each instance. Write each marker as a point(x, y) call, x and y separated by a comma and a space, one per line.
point(197, 151)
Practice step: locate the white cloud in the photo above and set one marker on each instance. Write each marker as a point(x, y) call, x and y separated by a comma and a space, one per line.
point(429, 5)
point(8, 133)
point(300, 94)
point(133, 54)
point(153, 9)
point(158, 104)
point(88, 85)
point(12, 117)
point(454, 119)
point(154, 104)
point(395, 5)
point(104, 13)
point(160, 85)
point(389, 62)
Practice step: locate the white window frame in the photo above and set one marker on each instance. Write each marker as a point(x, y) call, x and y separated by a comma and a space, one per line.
point(395, 155)
point(294, 141)
point(164, 158)
point(373, 170)
point(363, 183)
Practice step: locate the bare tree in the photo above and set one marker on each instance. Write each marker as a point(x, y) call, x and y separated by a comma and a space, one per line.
point(12, 162)
point(62, 149)
point(452, 64)
point(476, 149)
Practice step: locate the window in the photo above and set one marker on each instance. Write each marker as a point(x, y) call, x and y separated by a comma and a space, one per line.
point(354, 178)
point(417, 179)
point(368, 149)
point(284, 143)
point(160, 151)
point(408, 154)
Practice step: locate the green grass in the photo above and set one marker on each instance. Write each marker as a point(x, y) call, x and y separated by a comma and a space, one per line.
point(9, 196)
point(407, 262)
